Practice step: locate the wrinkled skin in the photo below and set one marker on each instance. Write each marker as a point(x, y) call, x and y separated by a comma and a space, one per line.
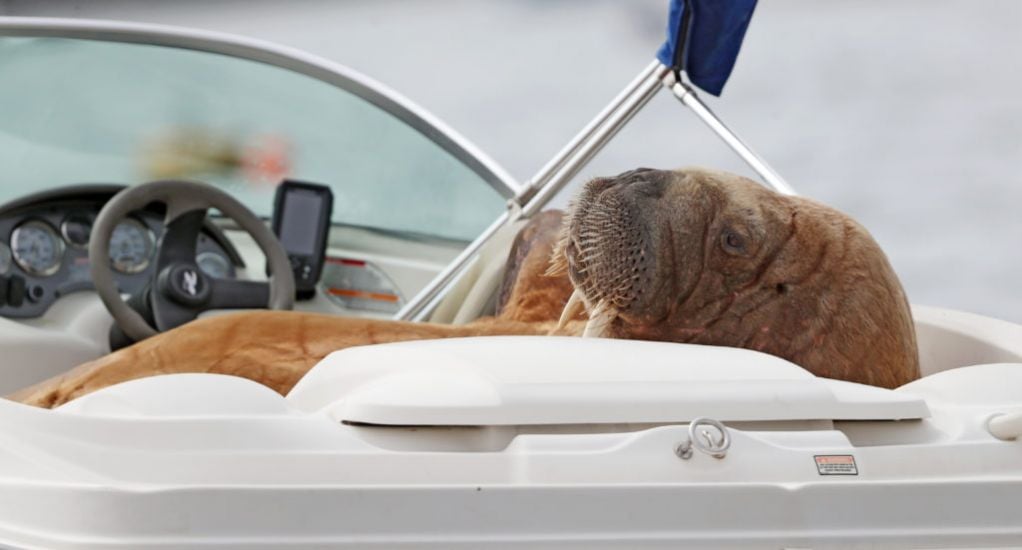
point(712, 258)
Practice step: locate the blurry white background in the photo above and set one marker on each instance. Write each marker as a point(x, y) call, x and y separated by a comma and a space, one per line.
point(905, 114)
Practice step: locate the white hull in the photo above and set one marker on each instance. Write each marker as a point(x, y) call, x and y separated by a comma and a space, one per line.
point(205, 460)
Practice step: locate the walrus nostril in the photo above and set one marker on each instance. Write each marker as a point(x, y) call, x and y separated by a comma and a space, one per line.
point(632, 175)
point(644, 182)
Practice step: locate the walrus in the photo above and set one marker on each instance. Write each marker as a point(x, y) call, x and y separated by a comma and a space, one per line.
point(690, 255)
point(707, 257)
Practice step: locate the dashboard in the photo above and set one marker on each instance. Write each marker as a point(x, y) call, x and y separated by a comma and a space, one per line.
point(44, 248)
point(51, 319)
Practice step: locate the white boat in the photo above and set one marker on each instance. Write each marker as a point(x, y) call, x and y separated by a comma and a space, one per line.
point(566, 442)
point(478, 442)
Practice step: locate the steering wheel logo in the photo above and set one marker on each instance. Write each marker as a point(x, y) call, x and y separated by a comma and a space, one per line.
point(190, 282)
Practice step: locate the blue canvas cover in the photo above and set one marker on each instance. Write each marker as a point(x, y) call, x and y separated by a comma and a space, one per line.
point(703, 39)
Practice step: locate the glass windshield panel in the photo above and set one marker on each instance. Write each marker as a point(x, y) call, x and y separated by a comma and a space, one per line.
point(83, 111)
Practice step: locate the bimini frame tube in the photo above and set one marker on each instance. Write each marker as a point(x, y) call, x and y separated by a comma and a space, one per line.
point(541, 178)
point(616, 119)
point(550, 179)
point(560, 170)
point(688, 97)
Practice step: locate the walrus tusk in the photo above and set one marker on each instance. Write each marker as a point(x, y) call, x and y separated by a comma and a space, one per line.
point(571, 309)
point(599, 321)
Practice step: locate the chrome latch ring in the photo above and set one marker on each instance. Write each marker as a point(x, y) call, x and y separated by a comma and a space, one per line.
point(701, 438)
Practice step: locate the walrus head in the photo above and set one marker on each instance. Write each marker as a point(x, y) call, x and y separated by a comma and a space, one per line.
point(709, 257)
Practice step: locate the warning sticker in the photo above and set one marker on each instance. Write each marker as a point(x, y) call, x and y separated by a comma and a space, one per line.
point(836, 465)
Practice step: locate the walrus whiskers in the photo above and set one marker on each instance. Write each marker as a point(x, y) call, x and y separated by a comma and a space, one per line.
point(558, 261)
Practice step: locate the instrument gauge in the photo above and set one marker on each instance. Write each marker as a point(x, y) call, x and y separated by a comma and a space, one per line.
point(131, 246)
point(214, 264)
point(76, 230)
point(5, 259)
point(37, 248)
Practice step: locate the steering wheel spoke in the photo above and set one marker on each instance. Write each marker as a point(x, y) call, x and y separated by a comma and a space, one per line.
point(177, 244)
point(235, 294)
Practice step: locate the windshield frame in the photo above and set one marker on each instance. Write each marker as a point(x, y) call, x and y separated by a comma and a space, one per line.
point(283, 57)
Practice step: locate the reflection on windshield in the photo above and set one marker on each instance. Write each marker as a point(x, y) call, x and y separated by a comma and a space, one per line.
point(79, 111)
point(195, 152)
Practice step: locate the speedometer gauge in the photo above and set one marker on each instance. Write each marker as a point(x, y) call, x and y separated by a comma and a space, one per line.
point(131, 246)
point(37, 248)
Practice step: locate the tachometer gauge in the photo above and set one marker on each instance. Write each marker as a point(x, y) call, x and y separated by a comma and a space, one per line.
point(5, 259)
point(37, 248)
point(76, 230)
point(131, 246)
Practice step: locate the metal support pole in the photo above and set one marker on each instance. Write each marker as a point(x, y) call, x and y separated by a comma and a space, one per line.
point(423, 303)
point(688, 97)
point(548, 170)
point(624, 112)
point(557, 173)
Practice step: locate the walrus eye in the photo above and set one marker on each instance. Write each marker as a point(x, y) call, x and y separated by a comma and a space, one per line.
point(732, 242)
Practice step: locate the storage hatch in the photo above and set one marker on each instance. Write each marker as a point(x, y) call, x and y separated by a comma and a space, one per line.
point(543, 380)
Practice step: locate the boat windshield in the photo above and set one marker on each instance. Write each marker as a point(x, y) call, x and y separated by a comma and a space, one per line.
point(90, 111)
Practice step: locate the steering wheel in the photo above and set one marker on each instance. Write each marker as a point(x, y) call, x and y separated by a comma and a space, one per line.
point(179, 290)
